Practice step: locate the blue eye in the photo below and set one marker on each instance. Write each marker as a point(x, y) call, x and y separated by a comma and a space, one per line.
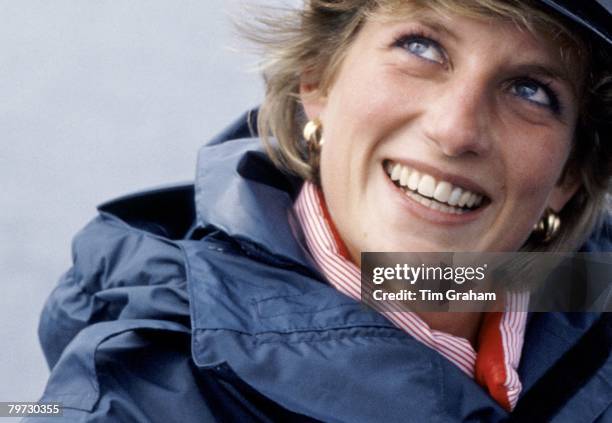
point(536, 92)
point(422, 47)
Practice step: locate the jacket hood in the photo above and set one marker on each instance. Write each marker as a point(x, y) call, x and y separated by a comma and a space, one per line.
point(238, 192)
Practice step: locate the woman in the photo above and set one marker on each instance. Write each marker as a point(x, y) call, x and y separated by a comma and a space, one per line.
point(429, 126)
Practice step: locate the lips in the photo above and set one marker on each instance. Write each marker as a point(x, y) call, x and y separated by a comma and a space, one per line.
point(436, 194)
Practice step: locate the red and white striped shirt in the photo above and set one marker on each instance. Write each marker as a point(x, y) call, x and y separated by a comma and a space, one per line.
point(501, 335)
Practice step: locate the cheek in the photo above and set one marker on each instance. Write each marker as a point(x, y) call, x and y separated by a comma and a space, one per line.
point(351, 121)
point(368, 102)
point(364, 109)
point(536, 161)
point(355, 119)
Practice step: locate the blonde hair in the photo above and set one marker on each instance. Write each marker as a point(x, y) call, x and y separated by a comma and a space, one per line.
point(293, 54)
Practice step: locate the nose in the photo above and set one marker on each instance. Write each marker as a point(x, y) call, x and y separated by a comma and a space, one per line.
point(456, 120)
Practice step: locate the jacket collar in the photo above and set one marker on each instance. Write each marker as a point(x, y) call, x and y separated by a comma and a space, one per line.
point(240, 192)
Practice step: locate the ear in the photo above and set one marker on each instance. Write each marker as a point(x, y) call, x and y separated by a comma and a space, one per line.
point(311, 97)
point(563, 192)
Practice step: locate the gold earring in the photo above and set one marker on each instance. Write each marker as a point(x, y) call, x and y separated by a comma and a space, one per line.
point(548, 226)
point(313, 134)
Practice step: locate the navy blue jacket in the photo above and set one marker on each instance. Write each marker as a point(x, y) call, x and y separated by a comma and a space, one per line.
point(213, 310)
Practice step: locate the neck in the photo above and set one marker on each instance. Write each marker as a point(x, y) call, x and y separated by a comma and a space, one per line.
point(464, 325)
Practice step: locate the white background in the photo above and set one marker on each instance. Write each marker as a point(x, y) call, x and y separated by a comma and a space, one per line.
point(98, 99)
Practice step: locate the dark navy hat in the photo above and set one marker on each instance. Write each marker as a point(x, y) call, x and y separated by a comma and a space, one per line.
point(596, 16)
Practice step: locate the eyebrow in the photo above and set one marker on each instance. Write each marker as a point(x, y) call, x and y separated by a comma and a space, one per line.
point(425, 18)
point(549, 71)
point(435, 26)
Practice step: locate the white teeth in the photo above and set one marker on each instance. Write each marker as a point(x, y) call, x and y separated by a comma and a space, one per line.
point(448, 198)
point(389, 167)
point(425, 201)
point(464, 198)
point(427, 185)
point(434, 205)
point(413, 181)
point(396, 172)
point(404, 176)
point(443, 192)
point(472, 200)
point(453, 200)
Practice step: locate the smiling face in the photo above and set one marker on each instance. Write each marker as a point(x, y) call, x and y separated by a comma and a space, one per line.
point(444, 134)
